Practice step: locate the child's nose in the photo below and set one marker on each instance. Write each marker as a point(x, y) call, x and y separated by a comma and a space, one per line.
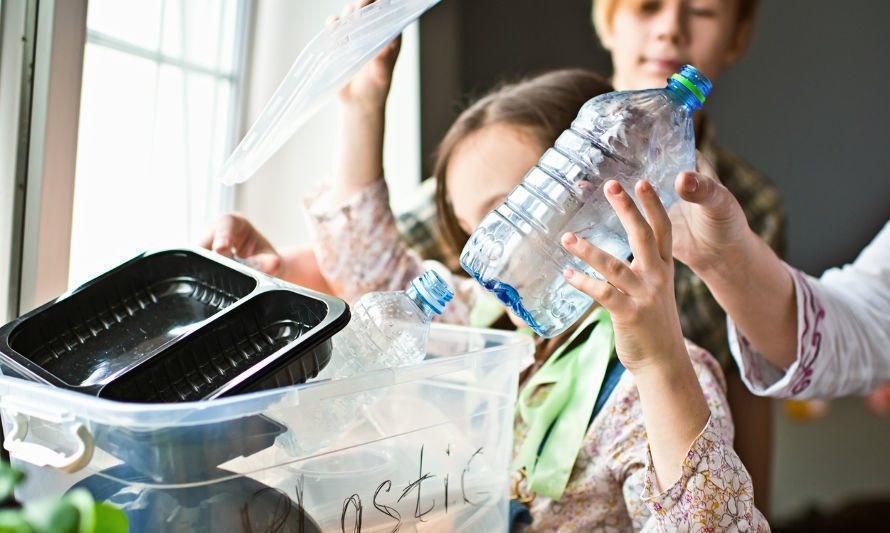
point(669, 22)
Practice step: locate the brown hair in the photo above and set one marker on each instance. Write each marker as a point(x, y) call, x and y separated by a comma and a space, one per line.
point(602, 10)
point(542, 106)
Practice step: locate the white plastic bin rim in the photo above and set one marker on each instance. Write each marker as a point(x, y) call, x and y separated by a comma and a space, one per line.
point(490, 347)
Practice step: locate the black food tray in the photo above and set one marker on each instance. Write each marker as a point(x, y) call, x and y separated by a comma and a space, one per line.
point(175, 325)
point(187, 454)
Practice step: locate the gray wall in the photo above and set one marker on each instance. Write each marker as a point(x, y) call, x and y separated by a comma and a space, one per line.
point(808, 106)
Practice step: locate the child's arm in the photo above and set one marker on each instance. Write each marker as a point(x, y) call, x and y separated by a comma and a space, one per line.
point(648, 338)
point(690, 448)
point(234, 235)
point(362, 110)
point(357, 244)
point(744, 274)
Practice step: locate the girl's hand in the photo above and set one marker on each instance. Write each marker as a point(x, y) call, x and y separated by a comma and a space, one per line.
point(368, 89)
point(639, 295)
point(234, 235)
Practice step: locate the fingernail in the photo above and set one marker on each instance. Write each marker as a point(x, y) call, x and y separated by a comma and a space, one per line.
point(645, 186)
point(569, 239)
point(691, 184)
point(569, 273)
point(613, 187)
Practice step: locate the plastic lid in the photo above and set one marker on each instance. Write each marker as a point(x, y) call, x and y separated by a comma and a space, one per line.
point(697, 83)
point(323, 67)
point(433, 290)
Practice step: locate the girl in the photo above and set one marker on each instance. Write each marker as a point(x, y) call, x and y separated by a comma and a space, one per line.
point(630, 466)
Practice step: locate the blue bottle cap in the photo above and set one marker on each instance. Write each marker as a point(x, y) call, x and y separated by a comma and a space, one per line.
point(433, 290)
point(694, 81)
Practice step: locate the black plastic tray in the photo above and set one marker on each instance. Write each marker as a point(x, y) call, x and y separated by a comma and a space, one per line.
point(190, 454)
point(176, 325)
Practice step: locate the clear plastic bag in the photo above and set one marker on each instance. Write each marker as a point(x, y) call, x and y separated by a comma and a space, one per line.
point(323, 67)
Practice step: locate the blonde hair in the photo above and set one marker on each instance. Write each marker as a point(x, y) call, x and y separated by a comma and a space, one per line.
point(601, 13)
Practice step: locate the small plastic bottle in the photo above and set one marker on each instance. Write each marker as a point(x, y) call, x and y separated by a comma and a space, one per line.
point(388, 329)
point(628, 135)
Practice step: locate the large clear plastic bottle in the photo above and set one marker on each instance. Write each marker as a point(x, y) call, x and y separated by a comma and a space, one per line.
point(388, 329)
point(515, 252)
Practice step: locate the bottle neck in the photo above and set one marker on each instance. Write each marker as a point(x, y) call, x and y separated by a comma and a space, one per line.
point(421, 304)
point(683, 95)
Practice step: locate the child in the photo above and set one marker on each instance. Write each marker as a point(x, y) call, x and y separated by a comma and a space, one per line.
point(673, 392)
point(648, 40)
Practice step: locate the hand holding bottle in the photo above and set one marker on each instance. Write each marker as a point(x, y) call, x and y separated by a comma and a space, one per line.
point(626, 136)
point(746, 277)
point(710, 223)
point(639, 295)
point(648, 338)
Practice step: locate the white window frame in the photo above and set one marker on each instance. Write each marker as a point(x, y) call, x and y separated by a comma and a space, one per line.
point(17, 30)
point(45, 138)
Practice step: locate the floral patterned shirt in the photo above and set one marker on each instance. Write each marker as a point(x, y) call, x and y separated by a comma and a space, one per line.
point(612, 486)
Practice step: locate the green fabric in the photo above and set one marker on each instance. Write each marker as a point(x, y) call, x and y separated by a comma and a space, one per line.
point(574, 379)
point(485, 311)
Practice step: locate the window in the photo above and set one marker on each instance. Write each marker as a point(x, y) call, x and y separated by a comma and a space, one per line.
point(158, 116)
point(128, 108)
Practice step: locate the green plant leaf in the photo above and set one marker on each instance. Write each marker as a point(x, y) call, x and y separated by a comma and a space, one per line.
point(75, 512)
point(52, 516)
point(12, 521)
point(9, 478)
point(109, 519)
point(83, 501)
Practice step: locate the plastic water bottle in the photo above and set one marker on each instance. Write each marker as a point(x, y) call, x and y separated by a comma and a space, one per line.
point(629, 135)
point(388, 329)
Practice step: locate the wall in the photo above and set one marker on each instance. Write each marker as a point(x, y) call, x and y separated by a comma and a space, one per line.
point(807, 105)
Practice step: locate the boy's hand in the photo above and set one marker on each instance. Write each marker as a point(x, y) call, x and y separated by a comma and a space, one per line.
point(234, 235)
point(368, 89)
point(709, 224)
point(639, 295)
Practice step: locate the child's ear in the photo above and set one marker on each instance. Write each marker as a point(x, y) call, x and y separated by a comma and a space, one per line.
point(606, 38)
point(739, 44)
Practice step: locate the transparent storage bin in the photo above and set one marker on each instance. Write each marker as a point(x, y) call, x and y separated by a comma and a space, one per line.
point(432, 453)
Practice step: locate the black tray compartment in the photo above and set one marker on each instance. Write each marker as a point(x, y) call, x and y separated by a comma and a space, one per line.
point(252, 347)
point(172, 326)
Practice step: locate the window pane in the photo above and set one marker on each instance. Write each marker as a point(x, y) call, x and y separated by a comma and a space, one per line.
point(192, 31)
point(229, 40)
point(153, 128)
point(137, 22)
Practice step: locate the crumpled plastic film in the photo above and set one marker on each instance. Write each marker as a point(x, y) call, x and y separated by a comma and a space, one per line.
point(321, 69)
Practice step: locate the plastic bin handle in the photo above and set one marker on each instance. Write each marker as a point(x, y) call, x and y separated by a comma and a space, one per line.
point(39, 455)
